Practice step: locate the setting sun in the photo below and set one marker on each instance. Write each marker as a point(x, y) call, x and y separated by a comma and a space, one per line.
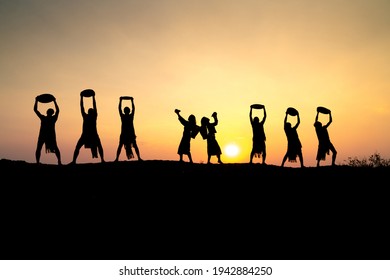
point(232, 150)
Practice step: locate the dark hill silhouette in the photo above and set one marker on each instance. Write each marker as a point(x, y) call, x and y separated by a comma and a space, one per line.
point(155, 209)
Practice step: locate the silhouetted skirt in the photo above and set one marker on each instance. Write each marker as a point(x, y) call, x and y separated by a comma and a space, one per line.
point(128, 139)
point(258, 147)
point(293, 150)
point(50, 142)
point(91, 141)
point(184, 146)
point(322, 151)
point(129, 151)
point(213, 148)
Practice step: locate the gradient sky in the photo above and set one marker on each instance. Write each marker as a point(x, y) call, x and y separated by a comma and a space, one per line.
point(199, 56)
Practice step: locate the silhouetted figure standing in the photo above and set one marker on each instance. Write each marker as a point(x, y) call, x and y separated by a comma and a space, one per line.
point(208, 131)
point(89, 137)
point(324, 143)
point(47, 133)
point(127, 137)
point(294, 146)
point(258, 135)
point(190, 131)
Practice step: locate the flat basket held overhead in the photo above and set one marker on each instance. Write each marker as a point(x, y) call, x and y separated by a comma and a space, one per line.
point(45, 98)
point(257, 106)
point(292, 111)
point(323, 110)
point(87, 93)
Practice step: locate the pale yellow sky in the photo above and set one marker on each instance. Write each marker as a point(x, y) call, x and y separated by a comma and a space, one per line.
point(200, 57)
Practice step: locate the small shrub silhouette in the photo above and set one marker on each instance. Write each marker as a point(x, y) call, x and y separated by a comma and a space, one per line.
point(374, 161)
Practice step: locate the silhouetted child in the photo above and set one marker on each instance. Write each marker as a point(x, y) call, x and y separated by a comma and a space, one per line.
point(294, 146)
point(47, 133)
point(258, 136)
point(208, 131)
point(324, 143)
point(127, 137)
point(190, 131)
point(89, 137)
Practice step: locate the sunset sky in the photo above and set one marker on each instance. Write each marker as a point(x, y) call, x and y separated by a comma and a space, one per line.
point(198, 56)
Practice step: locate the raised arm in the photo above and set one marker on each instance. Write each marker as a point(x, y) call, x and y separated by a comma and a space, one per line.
point(264, 115)
point(250, 115)
point(298, 121)
point(82, 105)
point(181, 119)
point(132, 106)
point(316, 120)
point(56, 107)
point(36, 109)
point(94, 104)
point(177, 111)
point(120, 106)
point(214, 115)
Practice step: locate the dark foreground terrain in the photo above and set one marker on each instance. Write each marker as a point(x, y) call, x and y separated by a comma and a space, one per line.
point(168, 210)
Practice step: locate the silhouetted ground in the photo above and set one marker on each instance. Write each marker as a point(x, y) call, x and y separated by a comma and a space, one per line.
point(170, 210)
